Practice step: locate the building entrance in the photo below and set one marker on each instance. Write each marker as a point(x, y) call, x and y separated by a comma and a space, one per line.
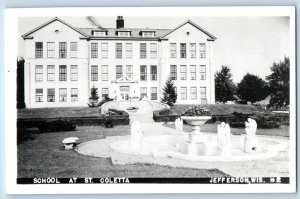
point(124, 92)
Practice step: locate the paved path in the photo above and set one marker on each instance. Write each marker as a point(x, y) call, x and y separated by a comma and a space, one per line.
point(144, 114)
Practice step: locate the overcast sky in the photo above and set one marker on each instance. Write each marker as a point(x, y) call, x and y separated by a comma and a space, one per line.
point(245, 44)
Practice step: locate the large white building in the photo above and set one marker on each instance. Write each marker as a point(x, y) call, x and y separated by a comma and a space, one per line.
point(63, 63)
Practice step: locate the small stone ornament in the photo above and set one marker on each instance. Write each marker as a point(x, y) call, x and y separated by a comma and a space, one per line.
point(70, 143)
point(136, 139)
point(224, 138)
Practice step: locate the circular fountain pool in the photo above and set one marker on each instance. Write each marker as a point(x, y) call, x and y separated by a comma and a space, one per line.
point(177, 146)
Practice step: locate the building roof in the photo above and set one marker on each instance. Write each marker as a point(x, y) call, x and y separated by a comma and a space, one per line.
point(111, 32)
point(26, 35)
point(211, 37)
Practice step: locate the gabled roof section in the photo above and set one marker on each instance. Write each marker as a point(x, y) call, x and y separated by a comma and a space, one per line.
point(211, 37)
point(26, 35)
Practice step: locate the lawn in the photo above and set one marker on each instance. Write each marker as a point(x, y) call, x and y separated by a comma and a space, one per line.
point(60, 112)
point(216, 109)
point(42, 155)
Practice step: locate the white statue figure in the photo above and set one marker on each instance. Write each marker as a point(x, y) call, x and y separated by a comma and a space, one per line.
point(250, 139)
point(136, 139)
point(224, 138)
point(221, 134)
point(179, 124)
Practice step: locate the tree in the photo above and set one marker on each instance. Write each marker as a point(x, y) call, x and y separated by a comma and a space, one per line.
point(252, 88)
point(169, 93)
point(224, 86)
point(279, 83)
point(94, 97)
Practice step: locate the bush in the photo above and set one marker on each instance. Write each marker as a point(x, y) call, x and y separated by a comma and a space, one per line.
point(56, 126)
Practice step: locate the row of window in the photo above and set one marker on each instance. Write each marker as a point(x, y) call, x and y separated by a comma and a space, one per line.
point(119, 72)
point(39, 95)
point(123, 33)
point(62, 47)
point(51, 73)
point(183, 50)
point(183, 72)
point(119, 51)
point(119, 54)
point(193, 93)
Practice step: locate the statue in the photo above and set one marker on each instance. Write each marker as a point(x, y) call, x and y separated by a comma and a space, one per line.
point(250, 139)
point(136, 139)
point(179, 124)
point(224, 138)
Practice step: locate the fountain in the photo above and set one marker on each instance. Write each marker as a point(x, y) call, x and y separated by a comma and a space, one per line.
point(193, 146)
point(203, 146)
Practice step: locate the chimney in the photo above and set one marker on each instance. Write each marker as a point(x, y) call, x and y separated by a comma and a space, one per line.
point(120, 22)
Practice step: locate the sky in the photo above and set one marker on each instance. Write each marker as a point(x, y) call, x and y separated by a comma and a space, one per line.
point(244, 44)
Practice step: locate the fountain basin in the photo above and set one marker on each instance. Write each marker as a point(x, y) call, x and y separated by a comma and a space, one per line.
point(176, 146)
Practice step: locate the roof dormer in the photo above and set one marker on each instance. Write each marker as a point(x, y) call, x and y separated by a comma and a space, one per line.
point(123, 33)
point(99, 33)
point(148, 33)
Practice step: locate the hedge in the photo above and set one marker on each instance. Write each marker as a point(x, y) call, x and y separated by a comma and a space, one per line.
point(236, 120)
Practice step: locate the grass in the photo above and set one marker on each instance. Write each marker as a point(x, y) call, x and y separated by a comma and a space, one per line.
point(58, 112)
point(216, 109)
point(42, 155)
point(221, 109)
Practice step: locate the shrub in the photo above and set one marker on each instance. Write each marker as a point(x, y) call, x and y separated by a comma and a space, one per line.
point(197, 111)
point(56, 126)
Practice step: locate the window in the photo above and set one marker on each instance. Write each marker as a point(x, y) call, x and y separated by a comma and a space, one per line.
point(94, 50)
point(193, 92)
point(99, 33)
point(51, 95)
point(128, 50)
point(148, 34)
point(62, 73)
point(202, 49)
point(129, 72)
point(183, 72)
point(62, 94)
point(173, 72)
point(74, 94)
point(50, 72)
point(143, 92)
point(119, 71)
point(124, 33)
point(119, 50)
point(203, 95)
point(62, 49)
point(38, 73)
point(202, 72)
point(38, 49)
point(153, 51)
point(173, 50)
point(143, 72)
point(153, 72)
point(182, 50)
point(104, 73)
point(183, 93)
point(153, 93)
point(193, 50)
point(143, 50)
point(94, 73)
point(50, 49)
point(104, 50)
point(39, 95)
point(193, 72)
point(74, 73)
point(73, 49)
point(104, 93)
